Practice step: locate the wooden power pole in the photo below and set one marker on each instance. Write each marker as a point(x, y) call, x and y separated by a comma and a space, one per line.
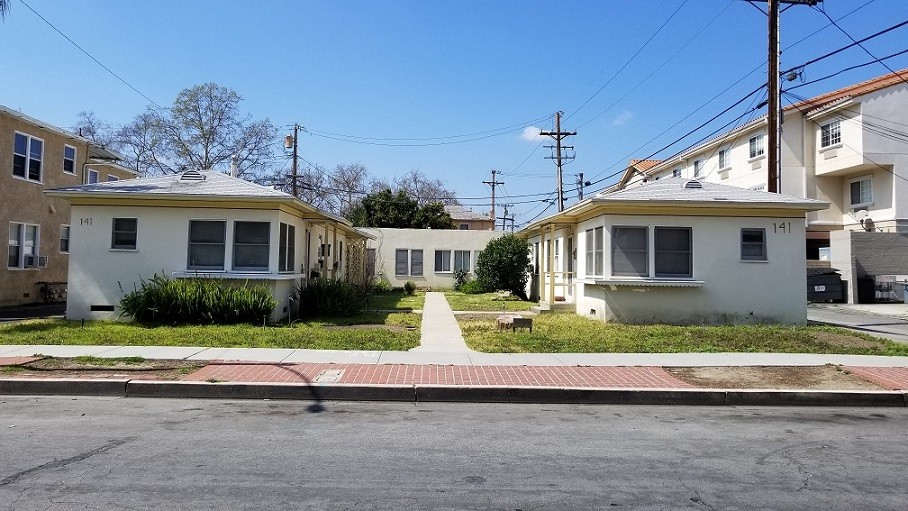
point(493, 184)
point(559, 158)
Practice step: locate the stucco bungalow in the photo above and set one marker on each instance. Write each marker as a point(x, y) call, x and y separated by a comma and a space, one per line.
point(676, 251)
point(199, 224)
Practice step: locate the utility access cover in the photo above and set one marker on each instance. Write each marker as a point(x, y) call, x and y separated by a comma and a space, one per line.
point(329, 376)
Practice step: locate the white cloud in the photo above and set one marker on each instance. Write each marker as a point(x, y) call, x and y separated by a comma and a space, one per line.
point(531, 134)
point(622, 118)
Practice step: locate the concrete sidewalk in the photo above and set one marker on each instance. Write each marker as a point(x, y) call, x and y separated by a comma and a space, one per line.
point(440, 330)
point(472, 358)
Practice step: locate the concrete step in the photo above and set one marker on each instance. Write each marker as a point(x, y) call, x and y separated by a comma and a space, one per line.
point(556, 307)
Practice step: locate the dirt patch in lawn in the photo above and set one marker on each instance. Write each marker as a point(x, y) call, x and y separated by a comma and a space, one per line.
point(763, 377)
point(845, 340)
point(130, 369)
point(392, 328)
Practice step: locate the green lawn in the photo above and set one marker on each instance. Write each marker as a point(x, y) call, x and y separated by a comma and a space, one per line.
point(367, 331)
point(485, 302)
point(569, 333)
point(395, 300)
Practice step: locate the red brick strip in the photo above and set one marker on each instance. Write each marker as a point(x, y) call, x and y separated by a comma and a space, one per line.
point(400, 374)
point(892, 378)
point(15, 361)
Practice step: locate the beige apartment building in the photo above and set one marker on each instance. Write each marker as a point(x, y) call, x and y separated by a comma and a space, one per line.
point(36, 156)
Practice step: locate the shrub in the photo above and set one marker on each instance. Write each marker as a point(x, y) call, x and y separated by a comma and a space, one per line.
point(473, 287)
point(409, 287)
point(503, 264)
point(197, 301)
point(329, 297)
point(460, 278)
point(383, 286)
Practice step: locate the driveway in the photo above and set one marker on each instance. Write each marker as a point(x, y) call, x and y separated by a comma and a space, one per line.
point(889, 321)
point(32, 311)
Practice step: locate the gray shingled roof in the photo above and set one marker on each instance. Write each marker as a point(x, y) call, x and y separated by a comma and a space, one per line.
point(458, 212)
point(213, 184)
point(673, 190)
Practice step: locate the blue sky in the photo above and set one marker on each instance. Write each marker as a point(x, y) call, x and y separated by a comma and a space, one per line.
point(420, 70)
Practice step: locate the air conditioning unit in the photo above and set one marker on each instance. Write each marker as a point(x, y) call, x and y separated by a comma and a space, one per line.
point(42, 262)
point(31, 261)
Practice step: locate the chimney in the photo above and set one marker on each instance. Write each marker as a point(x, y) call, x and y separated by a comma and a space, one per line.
point(233, 165)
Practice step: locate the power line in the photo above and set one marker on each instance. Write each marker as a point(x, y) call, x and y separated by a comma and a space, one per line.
point(89, 55)
point(850, 68)
point(843, 48)
point(427, 139)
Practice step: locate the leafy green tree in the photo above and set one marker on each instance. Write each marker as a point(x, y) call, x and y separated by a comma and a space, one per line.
point(433, 216)
point(504, 264)
point(388, 209)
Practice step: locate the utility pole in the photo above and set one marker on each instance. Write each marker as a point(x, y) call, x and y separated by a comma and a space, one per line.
point(290, 141)
point(504, 219)
point(774, 104)
point(580, 184)
point(493, 184)
point(558, 136)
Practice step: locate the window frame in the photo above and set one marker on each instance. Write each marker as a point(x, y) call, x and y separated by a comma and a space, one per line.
point(88, 175)
point(26, 169)
point(464, 257)
point(73, 159)
point(190, 243)
point(861, 179)
point(614, 247)
point(286, 248)
point(698, 167)
point(111, 178)
point(829, 131)
point(765, 249)
point(114, 232)
point(756, 146)
point(690, 251)
point(20, 244)
point(676, 172)
point(594, 238)
point(68, 229)
point(405, 262)
point(413, 263)
point(256, 269)
point(440, 261)
point(724, 163)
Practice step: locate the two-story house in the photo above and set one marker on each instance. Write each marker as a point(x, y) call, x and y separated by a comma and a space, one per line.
point(35, 156)
point(848, 147)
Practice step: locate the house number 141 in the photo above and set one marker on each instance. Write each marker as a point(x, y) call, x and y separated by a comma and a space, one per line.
point(85, 221)
point(781, 227)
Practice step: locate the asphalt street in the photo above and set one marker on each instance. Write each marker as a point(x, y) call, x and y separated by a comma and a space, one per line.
point(111, 453)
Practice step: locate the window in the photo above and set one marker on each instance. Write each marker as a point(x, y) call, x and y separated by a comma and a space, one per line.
point(594, 251)
point(125, 232)
point(464, 227)
point(629, 251)
point(673, 252)
point(698, 167)
point(830, 134)
point(556, 260)
point(69, 159)
point(861, 192)
point(28, 152)
point(756, 146)
point(207, 244)
point(723, 159)
point(401, 261)
point(23, 246)
point(92, 176)
point(462, 260)
point(250, 245)
point(112, 178)
point(404, 259)
point(753, 244)
point(64, 239)
point(286, 255)
point(416, 263)
point(442, 260)
point(676, 173)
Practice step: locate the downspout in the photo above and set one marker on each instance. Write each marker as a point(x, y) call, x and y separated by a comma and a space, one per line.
point(551, 267)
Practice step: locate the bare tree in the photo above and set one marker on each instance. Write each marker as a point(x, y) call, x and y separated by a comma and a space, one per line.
point(4, 8)
point(348, 183)
point(91, 127)
point(142, 143)
point(418, 186)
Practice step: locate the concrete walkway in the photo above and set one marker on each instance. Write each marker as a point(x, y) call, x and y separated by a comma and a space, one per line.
point(466, 358)
point(440, 331)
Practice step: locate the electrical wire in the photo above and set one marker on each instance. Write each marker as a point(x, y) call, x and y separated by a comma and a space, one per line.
point(851, 68)
point(89, 55)
point(505, 129)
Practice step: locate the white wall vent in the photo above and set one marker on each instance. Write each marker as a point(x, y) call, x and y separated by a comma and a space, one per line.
point(192, 175)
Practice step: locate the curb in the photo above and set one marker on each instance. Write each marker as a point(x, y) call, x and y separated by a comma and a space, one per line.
point(449, 393)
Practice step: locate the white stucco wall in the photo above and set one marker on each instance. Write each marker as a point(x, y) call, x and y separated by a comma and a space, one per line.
point(99, 275)
point(387, 241)
point(732, 290)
